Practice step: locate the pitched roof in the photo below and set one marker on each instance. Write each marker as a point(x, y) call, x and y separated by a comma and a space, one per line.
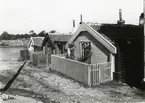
point(47, 39)
point(97, 27)
point(37, 41)
point(104, 40)
point(115, 31)
point(55, 38)
point(60, 38)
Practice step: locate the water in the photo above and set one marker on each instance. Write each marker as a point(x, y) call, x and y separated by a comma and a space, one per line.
point(9, 60)
point(9, 57)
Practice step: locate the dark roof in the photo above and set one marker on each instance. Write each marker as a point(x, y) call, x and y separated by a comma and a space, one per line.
point(37, 40)
point(60, 38)
point(47, 39)
point(115, 31)
point(97, 28)
point(55, 38)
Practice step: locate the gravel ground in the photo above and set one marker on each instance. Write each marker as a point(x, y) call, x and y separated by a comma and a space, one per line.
point(50, 87)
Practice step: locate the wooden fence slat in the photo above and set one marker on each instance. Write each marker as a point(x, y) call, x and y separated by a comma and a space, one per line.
point(90, 74)
point(39, 59)
point(71, 68)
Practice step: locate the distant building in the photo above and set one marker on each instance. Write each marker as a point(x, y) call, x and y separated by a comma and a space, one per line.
point(35, 44)
point(56, 43)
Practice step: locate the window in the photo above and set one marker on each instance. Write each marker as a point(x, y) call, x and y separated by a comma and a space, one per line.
point(85, 49)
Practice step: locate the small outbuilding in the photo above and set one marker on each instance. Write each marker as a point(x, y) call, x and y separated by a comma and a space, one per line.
point(56, 43)
point(48, 45)
point(35, 44)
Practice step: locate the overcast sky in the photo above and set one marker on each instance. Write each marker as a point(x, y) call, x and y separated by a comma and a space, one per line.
point(21, 16)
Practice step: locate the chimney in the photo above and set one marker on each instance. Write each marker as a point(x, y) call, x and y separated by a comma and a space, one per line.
point(120, 14)
point(81, 19)
point(74, 27)
point(73, 23)
point(120, 21)
point(141, 19)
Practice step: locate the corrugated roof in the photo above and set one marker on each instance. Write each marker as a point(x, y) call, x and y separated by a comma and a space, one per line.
point(37, 41)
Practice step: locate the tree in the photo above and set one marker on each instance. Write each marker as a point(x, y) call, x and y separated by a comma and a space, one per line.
point(26, 36)
point(53, 31)
point(5, 35)
point(32, 33)
point(42, 33)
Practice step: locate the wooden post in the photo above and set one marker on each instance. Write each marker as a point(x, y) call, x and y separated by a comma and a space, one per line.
point(144, 34)
point(38, 60)
point(99, 70)
point(112, 57)
point(30, 57)
point(46, 59)
point(89, 75)
point(44, 50)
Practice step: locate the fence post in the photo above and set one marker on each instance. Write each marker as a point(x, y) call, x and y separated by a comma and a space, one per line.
point(112, 65)
point(89, 75)
point(99, 71)
point(38, 60)
point(46, 59)
point(31, 57)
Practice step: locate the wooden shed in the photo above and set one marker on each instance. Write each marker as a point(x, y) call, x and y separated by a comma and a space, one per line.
point(59, 41)
point(35, 44)
point(100, 48)
point(56, 43)
point(123, 45)
point(129, 60)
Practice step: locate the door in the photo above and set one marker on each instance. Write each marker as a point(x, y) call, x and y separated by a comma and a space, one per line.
point(131, 61)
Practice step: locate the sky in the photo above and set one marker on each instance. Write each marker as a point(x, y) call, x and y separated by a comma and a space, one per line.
point(21, 16)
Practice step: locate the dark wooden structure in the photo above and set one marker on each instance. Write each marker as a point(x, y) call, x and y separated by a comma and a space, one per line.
point(59, 41)
point(129, 60)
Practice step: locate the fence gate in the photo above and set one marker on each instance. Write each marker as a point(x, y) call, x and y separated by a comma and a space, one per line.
point(100, 73)
point(94, 75)
point(105, 72)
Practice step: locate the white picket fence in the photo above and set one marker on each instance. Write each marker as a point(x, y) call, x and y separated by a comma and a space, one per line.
point(89, 74)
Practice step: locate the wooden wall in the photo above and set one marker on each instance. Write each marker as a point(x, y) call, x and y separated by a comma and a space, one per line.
point(99, 52)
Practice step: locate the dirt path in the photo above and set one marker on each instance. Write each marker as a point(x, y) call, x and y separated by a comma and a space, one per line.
point(50, 87)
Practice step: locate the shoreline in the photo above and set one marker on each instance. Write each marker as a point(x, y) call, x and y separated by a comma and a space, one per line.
point(12, 46)
point(14, 43)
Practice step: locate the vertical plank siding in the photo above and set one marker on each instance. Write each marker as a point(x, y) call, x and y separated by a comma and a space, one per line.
point(95, 74)
point(39, 59)
point(74, 69)
point(105, 72)
point(89, 74)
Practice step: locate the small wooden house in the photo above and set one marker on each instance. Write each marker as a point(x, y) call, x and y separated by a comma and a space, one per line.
point(35, 44)
point(122, 45)
point(47, 45)
point(56, 42)
point(102, 48)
